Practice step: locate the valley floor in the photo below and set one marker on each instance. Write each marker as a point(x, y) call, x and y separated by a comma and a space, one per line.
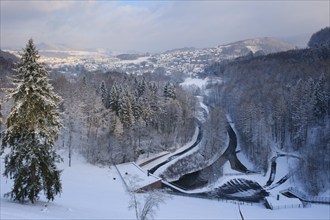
point(91, 192)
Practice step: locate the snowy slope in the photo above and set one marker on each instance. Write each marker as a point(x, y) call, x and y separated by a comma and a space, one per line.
point(90, 192)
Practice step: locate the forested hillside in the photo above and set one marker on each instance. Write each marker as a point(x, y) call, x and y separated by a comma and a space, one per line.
point(114, 116)
point(280, 102)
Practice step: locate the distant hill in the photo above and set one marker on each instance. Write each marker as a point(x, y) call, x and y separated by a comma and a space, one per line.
point(320, 38)
point(181, 49)
point(265, 45)
point(259, 46)
point(187, 60)
point(59, 47)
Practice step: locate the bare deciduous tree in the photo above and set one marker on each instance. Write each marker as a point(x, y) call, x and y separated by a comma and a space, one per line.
point(144, 204)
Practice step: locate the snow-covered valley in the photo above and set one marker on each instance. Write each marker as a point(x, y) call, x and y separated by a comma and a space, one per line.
point(99, 192)
point(214, 154)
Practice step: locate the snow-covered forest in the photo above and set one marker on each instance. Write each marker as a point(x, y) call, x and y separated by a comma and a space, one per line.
point(282, 102)
point(256, 107)
point(115, 117)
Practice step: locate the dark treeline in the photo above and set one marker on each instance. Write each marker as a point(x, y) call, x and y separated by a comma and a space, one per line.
point(281, 101)
point(118, 116)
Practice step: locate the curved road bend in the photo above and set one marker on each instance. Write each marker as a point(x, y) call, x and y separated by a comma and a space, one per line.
point(198, 140)
point(192, 180)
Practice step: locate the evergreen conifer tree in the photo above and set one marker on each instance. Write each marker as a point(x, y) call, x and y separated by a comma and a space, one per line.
point(32, 128)
point(169, 91)
point(114, 97)
point(141, 87)
point(104, 94)
point(320, 108)
point(126, 111)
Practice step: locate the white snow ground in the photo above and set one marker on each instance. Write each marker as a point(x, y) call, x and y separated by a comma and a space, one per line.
point(91, 192)
point(200, 83)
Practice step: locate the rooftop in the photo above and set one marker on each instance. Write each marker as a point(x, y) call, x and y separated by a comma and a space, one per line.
point(135, 178)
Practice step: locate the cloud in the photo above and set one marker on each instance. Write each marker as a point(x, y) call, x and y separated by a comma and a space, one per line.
point(156, 26)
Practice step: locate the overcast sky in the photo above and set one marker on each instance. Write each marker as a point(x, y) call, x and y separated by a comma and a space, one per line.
point(149, 26)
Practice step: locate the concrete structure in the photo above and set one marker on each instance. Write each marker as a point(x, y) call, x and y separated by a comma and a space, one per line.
point(137, 179)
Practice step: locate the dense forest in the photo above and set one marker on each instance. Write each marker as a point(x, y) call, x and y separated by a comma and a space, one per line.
point(281, 102)
point(116, 117)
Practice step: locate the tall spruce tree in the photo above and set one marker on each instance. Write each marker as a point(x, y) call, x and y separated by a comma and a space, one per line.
point(169, 91)
point(32, 128)
point(126, 112)
point(104, 95)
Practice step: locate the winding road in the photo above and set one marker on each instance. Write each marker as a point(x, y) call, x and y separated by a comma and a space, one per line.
point(236, 188)
point(198, 140)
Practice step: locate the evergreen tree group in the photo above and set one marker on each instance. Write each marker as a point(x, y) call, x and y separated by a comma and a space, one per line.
point(32, 128)
point(169, 91)
point(136, 117)
point(136, 100)
point(281, 101)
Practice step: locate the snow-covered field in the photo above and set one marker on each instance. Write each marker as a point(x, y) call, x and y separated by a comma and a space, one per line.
point(92, 192)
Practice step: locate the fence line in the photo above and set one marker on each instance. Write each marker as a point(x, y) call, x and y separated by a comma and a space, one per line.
point(214, 198)
point(276, 207)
